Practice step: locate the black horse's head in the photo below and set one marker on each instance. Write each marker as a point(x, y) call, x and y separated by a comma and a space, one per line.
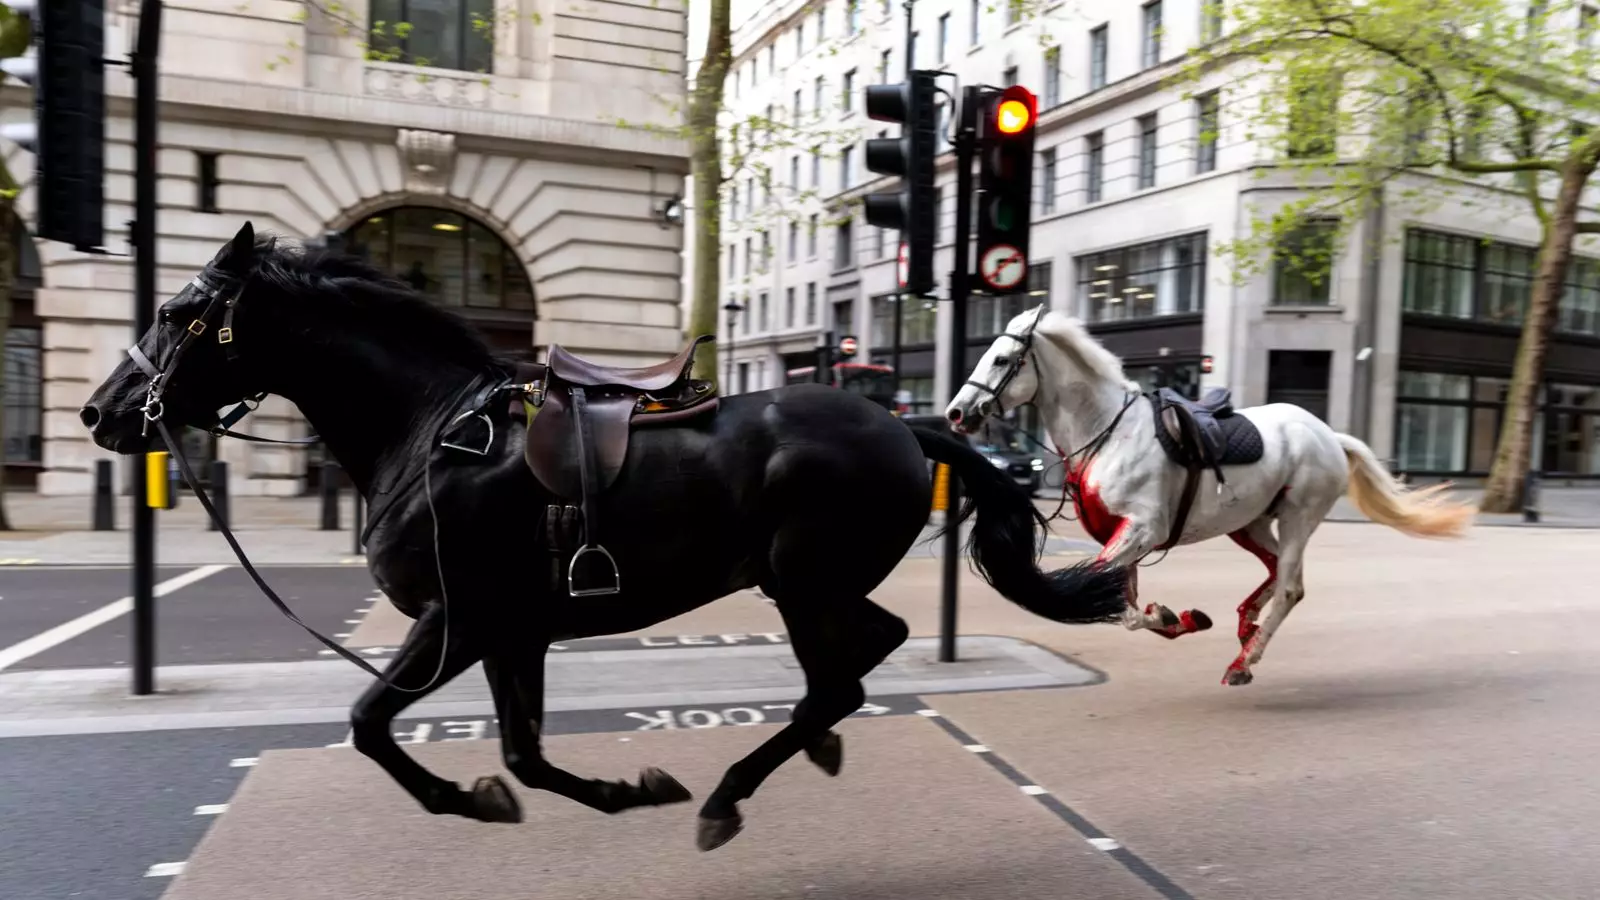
point(179, 370)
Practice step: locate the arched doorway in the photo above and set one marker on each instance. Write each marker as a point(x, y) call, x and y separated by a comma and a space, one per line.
point(457, 262)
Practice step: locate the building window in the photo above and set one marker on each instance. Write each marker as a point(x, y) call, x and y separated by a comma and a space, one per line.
point(944, 37)
point(1313, 116)
point(1097, 57)
point(1047, 181)
point(819, 89)
point(816, 167)
point(24, 395)
point(450, 258)
point(1206, 126)
point(918, 321)
point(1150, 49)
point(811, 303)
point(1449, 424)
point(852, 16)
point(1094, 167)
point(1440, 274)
point(799, 39)
point(1470, 278)
point(744, 320)
point(1302, 265)
point(799, 106)
point(847, 158)
point(733, 261)
point(794, 242)
point(763, 322)
point(1159, 278)
point(977, 23)
point(788, 307)
point(879, 242)
point(439, 34)
point(205, 177)
point(1147, 151)
point(1210, 20)
point(766, 251)
point(1052, 77)
point(1008, 77)
point(844, 246)
point(847, 92)
point(1013, 12)
point(883, 66)
point(811, 238)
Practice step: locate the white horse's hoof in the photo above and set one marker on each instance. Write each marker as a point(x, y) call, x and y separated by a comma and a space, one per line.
point(1237, 676)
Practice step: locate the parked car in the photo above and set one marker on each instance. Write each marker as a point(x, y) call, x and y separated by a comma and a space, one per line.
point(1002, 450)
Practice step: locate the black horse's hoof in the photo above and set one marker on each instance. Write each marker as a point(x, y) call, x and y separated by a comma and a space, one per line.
point(659, 788)
point(492, 801)
point(828, 754)
point(713, 833)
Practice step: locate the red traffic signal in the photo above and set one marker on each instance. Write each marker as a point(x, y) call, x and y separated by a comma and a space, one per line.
point(847, 346)
point(1013, 112)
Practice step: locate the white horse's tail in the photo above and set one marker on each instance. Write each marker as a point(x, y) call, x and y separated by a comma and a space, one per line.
point(1420, 513)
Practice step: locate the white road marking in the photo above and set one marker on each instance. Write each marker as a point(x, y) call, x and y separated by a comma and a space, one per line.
point(352, 621)
point(66, 631)
point(928, 713)
point(977, 748)
point(1033, 790)
point(1109, 844)
point(342, 634)
point(243, 762)
point(164, 870)
point(211, 809)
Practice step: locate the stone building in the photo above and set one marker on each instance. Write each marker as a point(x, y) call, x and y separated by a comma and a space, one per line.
point(510, 171)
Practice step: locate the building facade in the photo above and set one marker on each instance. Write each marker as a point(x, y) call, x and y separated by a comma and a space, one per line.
point(477, 154)
point(1408, 342)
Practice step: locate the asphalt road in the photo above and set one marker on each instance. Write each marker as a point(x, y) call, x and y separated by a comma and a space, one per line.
point(221, 618)
point(1422, 727)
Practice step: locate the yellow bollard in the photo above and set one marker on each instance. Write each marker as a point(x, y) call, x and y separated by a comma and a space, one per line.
point(941, 486)
point(157, 485)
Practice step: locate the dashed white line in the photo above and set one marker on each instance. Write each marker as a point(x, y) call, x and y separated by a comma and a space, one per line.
point(1106, 844)
point(211, 809)
point(928, 713)
point(977, 748)
point(352, 621)
point(1033, 790)
point(243, 762)
point(164, 870)
point(342, 634)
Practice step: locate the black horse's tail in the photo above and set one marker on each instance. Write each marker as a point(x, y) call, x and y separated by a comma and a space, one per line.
point(1004, 546)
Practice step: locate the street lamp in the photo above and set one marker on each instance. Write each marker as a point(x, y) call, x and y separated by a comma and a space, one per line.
point(732, 308)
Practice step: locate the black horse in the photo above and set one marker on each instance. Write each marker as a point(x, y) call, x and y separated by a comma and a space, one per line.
point(811, 493)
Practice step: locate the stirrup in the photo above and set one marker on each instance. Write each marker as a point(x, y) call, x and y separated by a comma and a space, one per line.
point(572, 568)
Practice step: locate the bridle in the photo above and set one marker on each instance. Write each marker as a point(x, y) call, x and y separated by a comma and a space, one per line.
point(224, 294)
point(1026, 341)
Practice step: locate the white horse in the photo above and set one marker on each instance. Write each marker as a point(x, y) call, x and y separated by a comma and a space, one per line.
point(1129, 494)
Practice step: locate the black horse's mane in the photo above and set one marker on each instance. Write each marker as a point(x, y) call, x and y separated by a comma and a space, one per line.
point(378, 300)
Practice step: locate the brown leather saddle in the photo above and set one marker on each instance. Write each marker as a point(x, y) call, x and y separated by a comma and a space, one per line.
point(582, 416)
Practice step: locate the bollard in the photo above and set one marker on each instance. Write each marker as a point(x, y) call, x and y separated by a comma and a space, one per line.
point(355, 524)
point(1530, 498)
point(105, 507)
point(330, 496)
point(219, 495)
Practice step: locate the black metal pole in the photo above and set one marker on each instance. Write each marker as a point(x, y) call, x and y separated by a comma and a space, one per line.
point(144, 69)
point(356, 523)
point(910, 39)
point(964, 149)
point(900, 301)
point(220, 499)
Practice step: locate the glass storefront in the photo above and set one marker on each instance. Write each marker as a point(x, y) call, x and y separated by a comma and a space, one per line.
point(23, 401)
point(1459, 277)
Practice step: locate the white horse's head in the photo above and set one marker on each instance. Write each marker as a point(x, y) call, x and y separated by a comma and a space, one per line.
point(1003, 379)
point(1009, 373)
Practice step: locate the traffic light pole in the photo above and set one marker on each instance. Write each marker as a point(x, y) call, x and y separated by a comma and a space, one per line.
point(144, 70)
point(960, 274)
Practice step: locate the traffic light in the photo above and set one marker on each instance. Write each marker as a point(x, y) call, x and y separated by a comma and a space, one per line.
point(910, 156)
point(1005, 187)
point(64, 61)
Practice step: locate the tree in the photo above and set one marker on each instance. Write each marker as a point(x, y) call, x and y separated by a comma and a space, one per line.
point(15, 36)
point(1482, 102)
